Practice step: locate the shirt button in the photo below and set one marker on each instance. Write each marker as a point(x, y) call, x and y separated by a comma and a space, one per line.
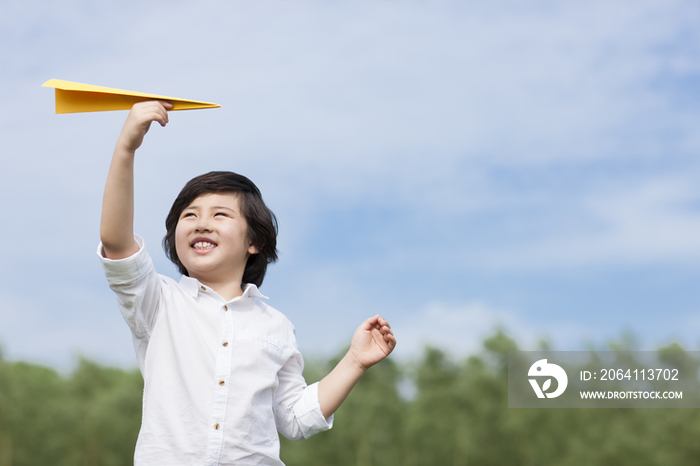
point(225, 343)
point(204, 288)
point(225, 308)
point(221, 382)
point(216, 426)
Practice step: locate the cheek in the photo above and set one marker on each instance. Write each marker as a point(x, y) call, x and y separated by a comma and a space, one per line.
point(180, 239)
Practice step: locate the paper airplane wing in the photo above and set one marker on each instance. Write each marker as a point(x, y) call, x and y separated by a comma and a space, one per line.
point(76, 97)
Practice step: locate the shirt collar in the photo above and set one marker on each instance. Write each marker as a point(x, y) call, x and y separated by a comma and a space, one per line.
point(193, 287)
point(250, 290)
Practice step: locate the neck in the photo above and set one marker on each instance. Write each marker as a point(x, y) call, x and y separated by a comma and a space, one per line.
point(227, 289)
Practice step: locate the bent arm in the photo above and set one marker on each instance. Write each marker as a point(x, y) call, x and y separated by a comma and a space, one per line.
point(372, 342)
point(117, 223)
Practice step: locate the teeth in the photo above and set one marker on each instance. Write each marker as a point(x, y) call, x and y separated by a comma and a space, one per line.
point(203, 245)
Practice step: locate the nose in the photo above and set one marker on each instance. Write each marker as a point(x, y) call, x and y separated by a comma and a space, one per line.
point(202, 225)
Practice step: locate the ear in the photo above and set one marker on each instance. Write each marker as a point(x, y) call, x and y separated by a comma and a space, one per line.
point(252, 250)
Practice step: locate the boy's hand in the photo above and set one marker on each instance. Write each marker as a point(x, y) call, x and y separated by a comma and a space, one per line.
point(372, 342)
point(138, 122)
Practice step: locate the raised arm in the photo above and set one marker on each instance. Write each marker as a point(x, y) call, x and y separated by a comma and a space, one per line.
point(117, 223)
point(372, 342)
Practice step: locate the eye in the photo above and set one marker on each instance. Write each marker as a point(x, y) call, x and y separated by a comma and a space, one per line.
point(222, 214)
point(188, 214)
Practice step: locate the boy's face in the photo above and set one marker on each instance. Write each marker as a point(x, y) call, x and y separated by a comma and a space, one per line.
point(211, 238)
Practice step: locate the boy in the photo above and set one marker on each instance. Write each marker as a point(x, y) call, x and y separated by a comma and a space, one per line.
point(222, 373)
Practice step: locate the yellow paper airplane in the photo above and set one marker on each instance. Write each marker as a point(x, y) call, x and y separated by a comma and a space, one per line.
point(76, 97)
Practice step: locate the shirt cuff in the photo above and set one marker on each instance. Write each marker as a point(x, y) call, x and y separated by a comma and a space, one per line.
point(308, 413)
point(120, 271)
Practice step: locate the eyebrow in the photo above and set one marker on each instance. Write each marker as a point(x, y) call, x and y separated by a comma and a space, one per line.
point(214, 207)
point(223, 207)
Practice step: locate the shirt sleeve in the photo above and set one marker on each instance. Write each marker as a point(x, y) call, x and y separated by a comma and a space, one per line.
point(137, 286)
point(297, 410)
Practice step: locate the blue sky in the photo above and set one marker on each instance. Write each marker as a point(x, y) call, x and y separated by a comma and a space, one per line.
point(454, 166)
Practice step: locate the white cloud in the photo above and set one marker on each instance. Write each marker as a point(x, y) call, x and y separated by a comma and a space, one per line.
point(532, 137)
point(653, 221)
point(459, 329)
point(57, 332)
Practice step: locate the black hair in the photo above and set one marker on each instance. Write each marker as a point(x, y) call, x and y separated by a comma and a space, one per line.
point(262, 223)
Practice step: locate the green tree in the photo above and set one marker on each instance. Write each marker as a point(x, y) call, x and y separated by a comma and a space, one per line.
point(367, 430)
point(35, 426)
point(457, 415)
point(109, 403)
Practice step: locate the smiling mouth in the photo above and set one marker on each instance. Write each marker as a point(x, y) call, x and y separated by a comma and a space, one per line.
point(203, 245)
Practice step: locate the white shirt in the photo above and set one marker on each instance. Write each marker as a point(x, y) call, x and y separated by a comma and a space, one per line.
point(220, 377)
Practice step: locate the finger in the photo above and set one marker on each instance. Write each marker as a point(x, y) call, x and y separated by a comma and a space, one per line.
point(144, 118)
point(167, 105)
point(157, 116)
point(370, 322)
point(161, 115)
point(164, 119)
point(164, 107)
point(159, 107)
point(384, 322)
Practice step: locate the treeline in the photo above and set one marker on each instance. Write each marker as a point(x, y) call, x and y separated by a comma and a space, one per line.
point(435, 411)
point(91, 418)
